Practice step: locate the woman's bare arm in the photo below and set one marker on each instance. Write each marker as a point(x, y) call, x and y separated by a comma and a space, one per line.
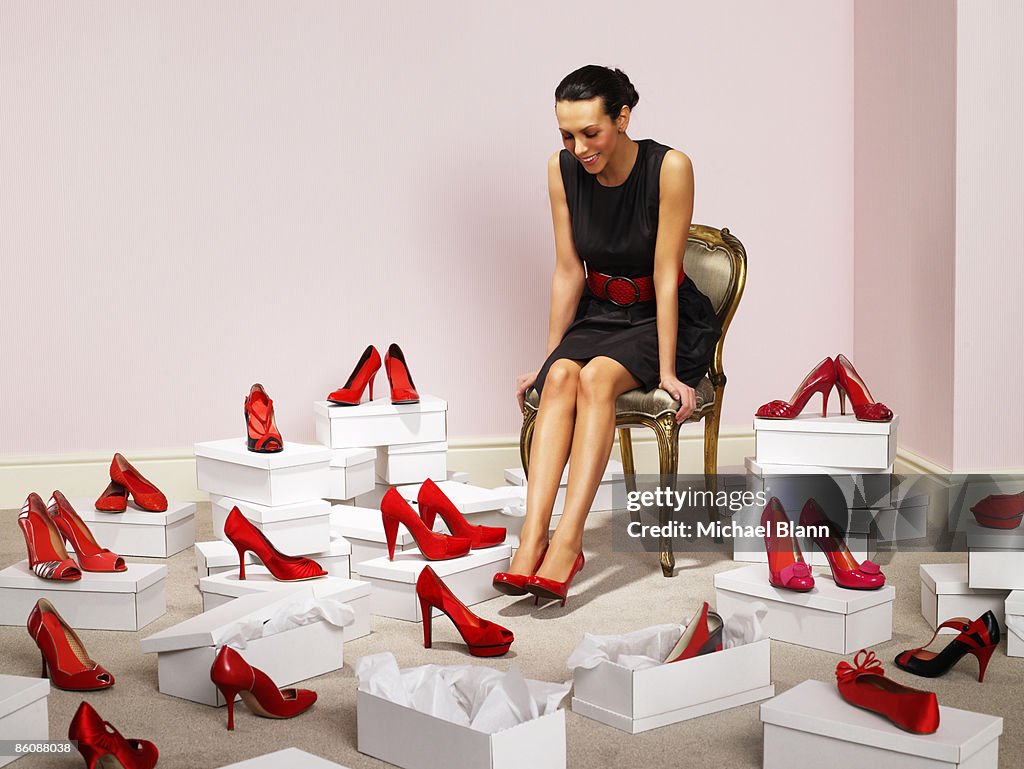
point(567, 283)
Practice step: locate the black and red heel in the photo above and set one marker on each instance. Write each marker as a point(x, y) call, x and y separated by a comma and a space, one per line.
point(978, 637)
point(263, 435)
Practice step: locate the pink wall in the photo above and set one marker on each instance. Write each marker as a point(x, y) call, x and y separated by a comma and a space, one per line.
point(202, 195)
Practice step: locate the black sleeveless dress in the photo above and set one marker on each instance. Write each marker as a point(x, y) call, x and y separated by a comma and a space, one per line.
point(614, 230)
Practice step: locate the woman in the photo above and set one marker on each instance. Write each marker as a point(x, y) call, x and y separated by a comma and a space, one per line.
point(621, 209)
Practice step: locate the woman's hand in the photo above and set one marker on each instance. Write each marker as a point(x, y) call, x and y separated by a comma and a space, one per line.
point(681, 392)
point(523, 383)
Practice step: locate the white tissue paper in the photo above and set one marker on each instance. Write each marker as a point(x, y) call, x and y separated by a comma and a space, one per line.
point(481, 698)
point(302, 609)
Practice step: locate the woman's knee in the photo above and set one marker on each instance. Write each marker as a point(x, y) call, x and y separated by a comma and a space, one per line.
point(597, 383)
point(562, 378)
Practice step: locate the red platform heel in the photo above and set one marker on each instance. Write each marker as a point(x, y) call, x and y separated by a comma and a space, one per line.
point(431, 502)
point(261, 425)
point(821, 380)
point(103, 747)
point(433, 545)
point(865, 686)
point(362, 375)
point(699, 637)
point(146, 495)
point(484, 638)
point(979, 637)
point(233, 676)
point(543, 587)
point(114, 499)
point(91, 557)
point(786, 565)
point(848, 382)
point(402, 388)
point(846, 571)
point(515, 584)
point(284, 568)
point(46, 554)
point(63, 652)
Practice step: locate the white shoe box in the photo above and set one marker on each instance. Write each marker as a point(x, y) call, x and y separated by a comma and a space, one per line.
point(794, 484)
point(413, 462)
point(827, 617)
point(227, 468)
point(1014, 617)
point(995, 557)
point(363, 528)
point(292, 757)
point(945, 594)
point(834, 441)
point(127, 600)
point(469, 577)
point(352, 472)
point(23, 715)
point(612, 487)
point(429, 742)
point(186, 651)
point(381, 423)
point(812, 725)
point(217, 556)
point(906, 519)
point(466, 498)
point(638, 700)
point(139, 532)
point(299, 528)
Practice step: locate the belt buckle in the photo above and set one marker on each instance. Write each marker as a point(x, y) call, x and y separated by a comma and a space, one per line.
point(631, 282)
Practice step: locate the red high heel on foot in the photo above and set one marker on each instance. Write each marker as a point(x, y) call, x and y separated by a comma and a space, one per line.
point(821, 380)
point(786, 565)
point(515, 584)
point(846, 571)
point(363, 374)
point(263, 435)
point(91, 557)
point(146, 495)
point(114, 499)
point(979, 637)
point(101, 744)
point(284, 568)
point(484, 639)
point(399, 379)
point(433, 545)
point(848, 382)
point(46, 554)
point(233, 676)
point(431, 502)
point(699, 638)
point(865, 686)
point(1000, 511)
point(543, 587)
point(63, 652)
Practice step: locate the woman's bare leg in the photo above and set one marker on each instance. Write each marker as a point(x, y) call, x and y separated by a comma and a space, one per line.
point(601, 382)
point(548, 455)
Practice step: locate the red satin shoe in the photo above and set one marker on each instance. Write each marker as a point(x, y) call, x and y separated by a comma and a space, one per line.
point(433, 545)
point(103, 747)
point(979, 637)
point(699, 638)
point(846, 571)
point(63, 652)
point(91, 557)
point(1000, 511)
point(431, 502)
point(284, 568)
point(114, 499)
point(515, 584)
point(402, 388)
point(543, 587)
point(263, 435)
point(848, 382)
point(484, 639)
point(363, 374)
point(786, 565)
point(234, 676)
point(46, 554)
point(821, 380)
point(865, 686)
point(146, 495)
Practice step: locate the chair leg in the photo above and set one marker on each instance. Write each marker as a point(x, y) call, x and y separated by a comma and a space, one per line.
point(526, 440)
point(668, 455)
point(711, 424)
point(628, 466)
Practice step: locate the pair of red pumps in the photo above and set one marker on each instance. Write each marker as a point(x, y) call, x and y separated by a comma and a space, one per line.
point(125, 480)
point(840, 374)
point(48, 527)
point(540, 587)
point(403, 390)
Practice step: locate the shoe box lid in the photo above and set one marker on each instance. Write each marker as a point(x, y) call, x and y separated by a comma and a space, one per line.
point(1015, 602)
point(413, 448)
point(264, 514)
point(468, 499)
point(950, 579)
point(408, 564)
point(286, 757)
point(133, 515)
point(379, 407)
point(979, 536)
point(834, 423)
point(259, 580)
point(366, 523)
point(235, 451)
point(826, 596)
point(350, 457)
point(18, 691)
point(137, 578)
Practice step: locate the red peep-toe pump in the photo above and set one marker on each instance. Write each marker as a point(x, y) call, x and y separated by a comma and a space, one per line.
point(233, 676)
point(46, 554)
point(362, 375)
point(786, 565)
point(431, 502)
point(64, 656)
point(284, 568)
point(400, 380)
point(848, 382)
point(515, 584)
point(544, 587)
point(484, 638)
point(433, 545)
point(146, 495)
point(91, 557)
point(261, 425)
point(865, 686)
point(821, 380)
point(846, 571)
point(101, 744)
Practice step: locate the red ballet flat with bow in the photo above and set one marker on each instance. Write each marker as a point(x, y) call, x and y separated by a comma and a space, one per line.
point(820, 380)
point(847, 572)
point(865, 686)
point(484, 638)
point(786, 565)
point(101, 745)
point(431, 502)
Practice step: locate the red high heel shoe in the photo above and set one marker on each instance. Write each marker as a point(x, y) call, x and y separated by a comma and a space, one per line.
point(146, 495)
point(846, 572)
point(352, 391)
point(263, 435)
point(865, 686)
point(433, 545)
point(543, 587)
point(786, 565)
point(284, 568)
point(101, 744)
point(698, 638)
point(431, 502)
point(979, 637)
point(515, 584)
point(821, 380)
point(848, 382)
point(233, 676)
point(91, 557)
point(114, 499)
point(63, 652)
point(400, 380)
point(484, 639)
point(1000, 511)
point(46, 554)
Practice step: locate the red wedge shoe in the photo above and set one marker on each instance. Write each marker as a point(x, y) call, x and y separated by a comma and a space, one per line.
point(699, 637)
point(515, 584)
point(284, 568)
point(846, 571)
point(362, 375)
point(63, 652)
point(848, 382)
point(432, 545)
point(402, 388)
point(146, 495)
point(865, 686)
point(91, 557)
point(261, 425)
point(114, 499)
point(786, 565)
point(821, 380)
point(46, 554)
point(432, 502)
point(233, 676)
point(484, 639)
point(103, 747)
point(543, 587)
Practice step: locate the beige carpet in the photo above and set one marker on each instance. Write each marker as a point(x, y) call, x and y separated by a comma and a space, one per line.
point(617, 592)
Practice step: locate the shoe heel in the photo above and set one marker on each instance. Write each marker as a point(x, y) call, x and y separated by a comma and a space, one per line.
point(391, 534)
point(43, 674)
point(229, 695)
point(824, 401)
point(427, 613)
point(372, 377)
point(983, 654)
point(842, 400)
point(241, 562)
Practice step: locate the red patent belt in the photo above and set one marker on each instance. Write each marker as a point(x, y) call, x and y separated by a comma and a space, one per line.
point(621, 290)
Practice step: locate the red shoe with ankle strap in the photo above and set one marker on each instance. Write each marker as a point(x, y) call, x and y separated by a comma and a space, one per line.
point(865, 686)
point(362, 375)
point(103, 747)
point(431, 502)
point(146, 495)
point(261, 425)
point(402, 388)
point(63, 652)
point(1000, 511)
point(699, 637)
point(284, 568)
point(848, 382)
point(114, 499)
point(46, 554)
point(91, 557)
point(786, 565)
point(484, 638)
point(821, 380)
point(979, 637)
point(432, 545)
point(543, 587)
point(847, 572)
point(233, 676)
point(515, 584)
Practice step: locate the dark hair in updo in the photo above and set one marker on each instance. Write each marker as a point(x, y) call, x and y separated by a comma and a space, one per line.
point(593, 81)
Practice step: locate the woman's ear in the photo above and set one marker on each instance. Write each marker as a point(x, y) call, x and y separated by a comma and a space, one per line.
point(622, 121)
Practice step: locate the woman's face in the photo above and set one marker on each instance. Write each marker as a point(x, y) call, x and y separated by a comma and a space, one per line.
point(588, 132)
